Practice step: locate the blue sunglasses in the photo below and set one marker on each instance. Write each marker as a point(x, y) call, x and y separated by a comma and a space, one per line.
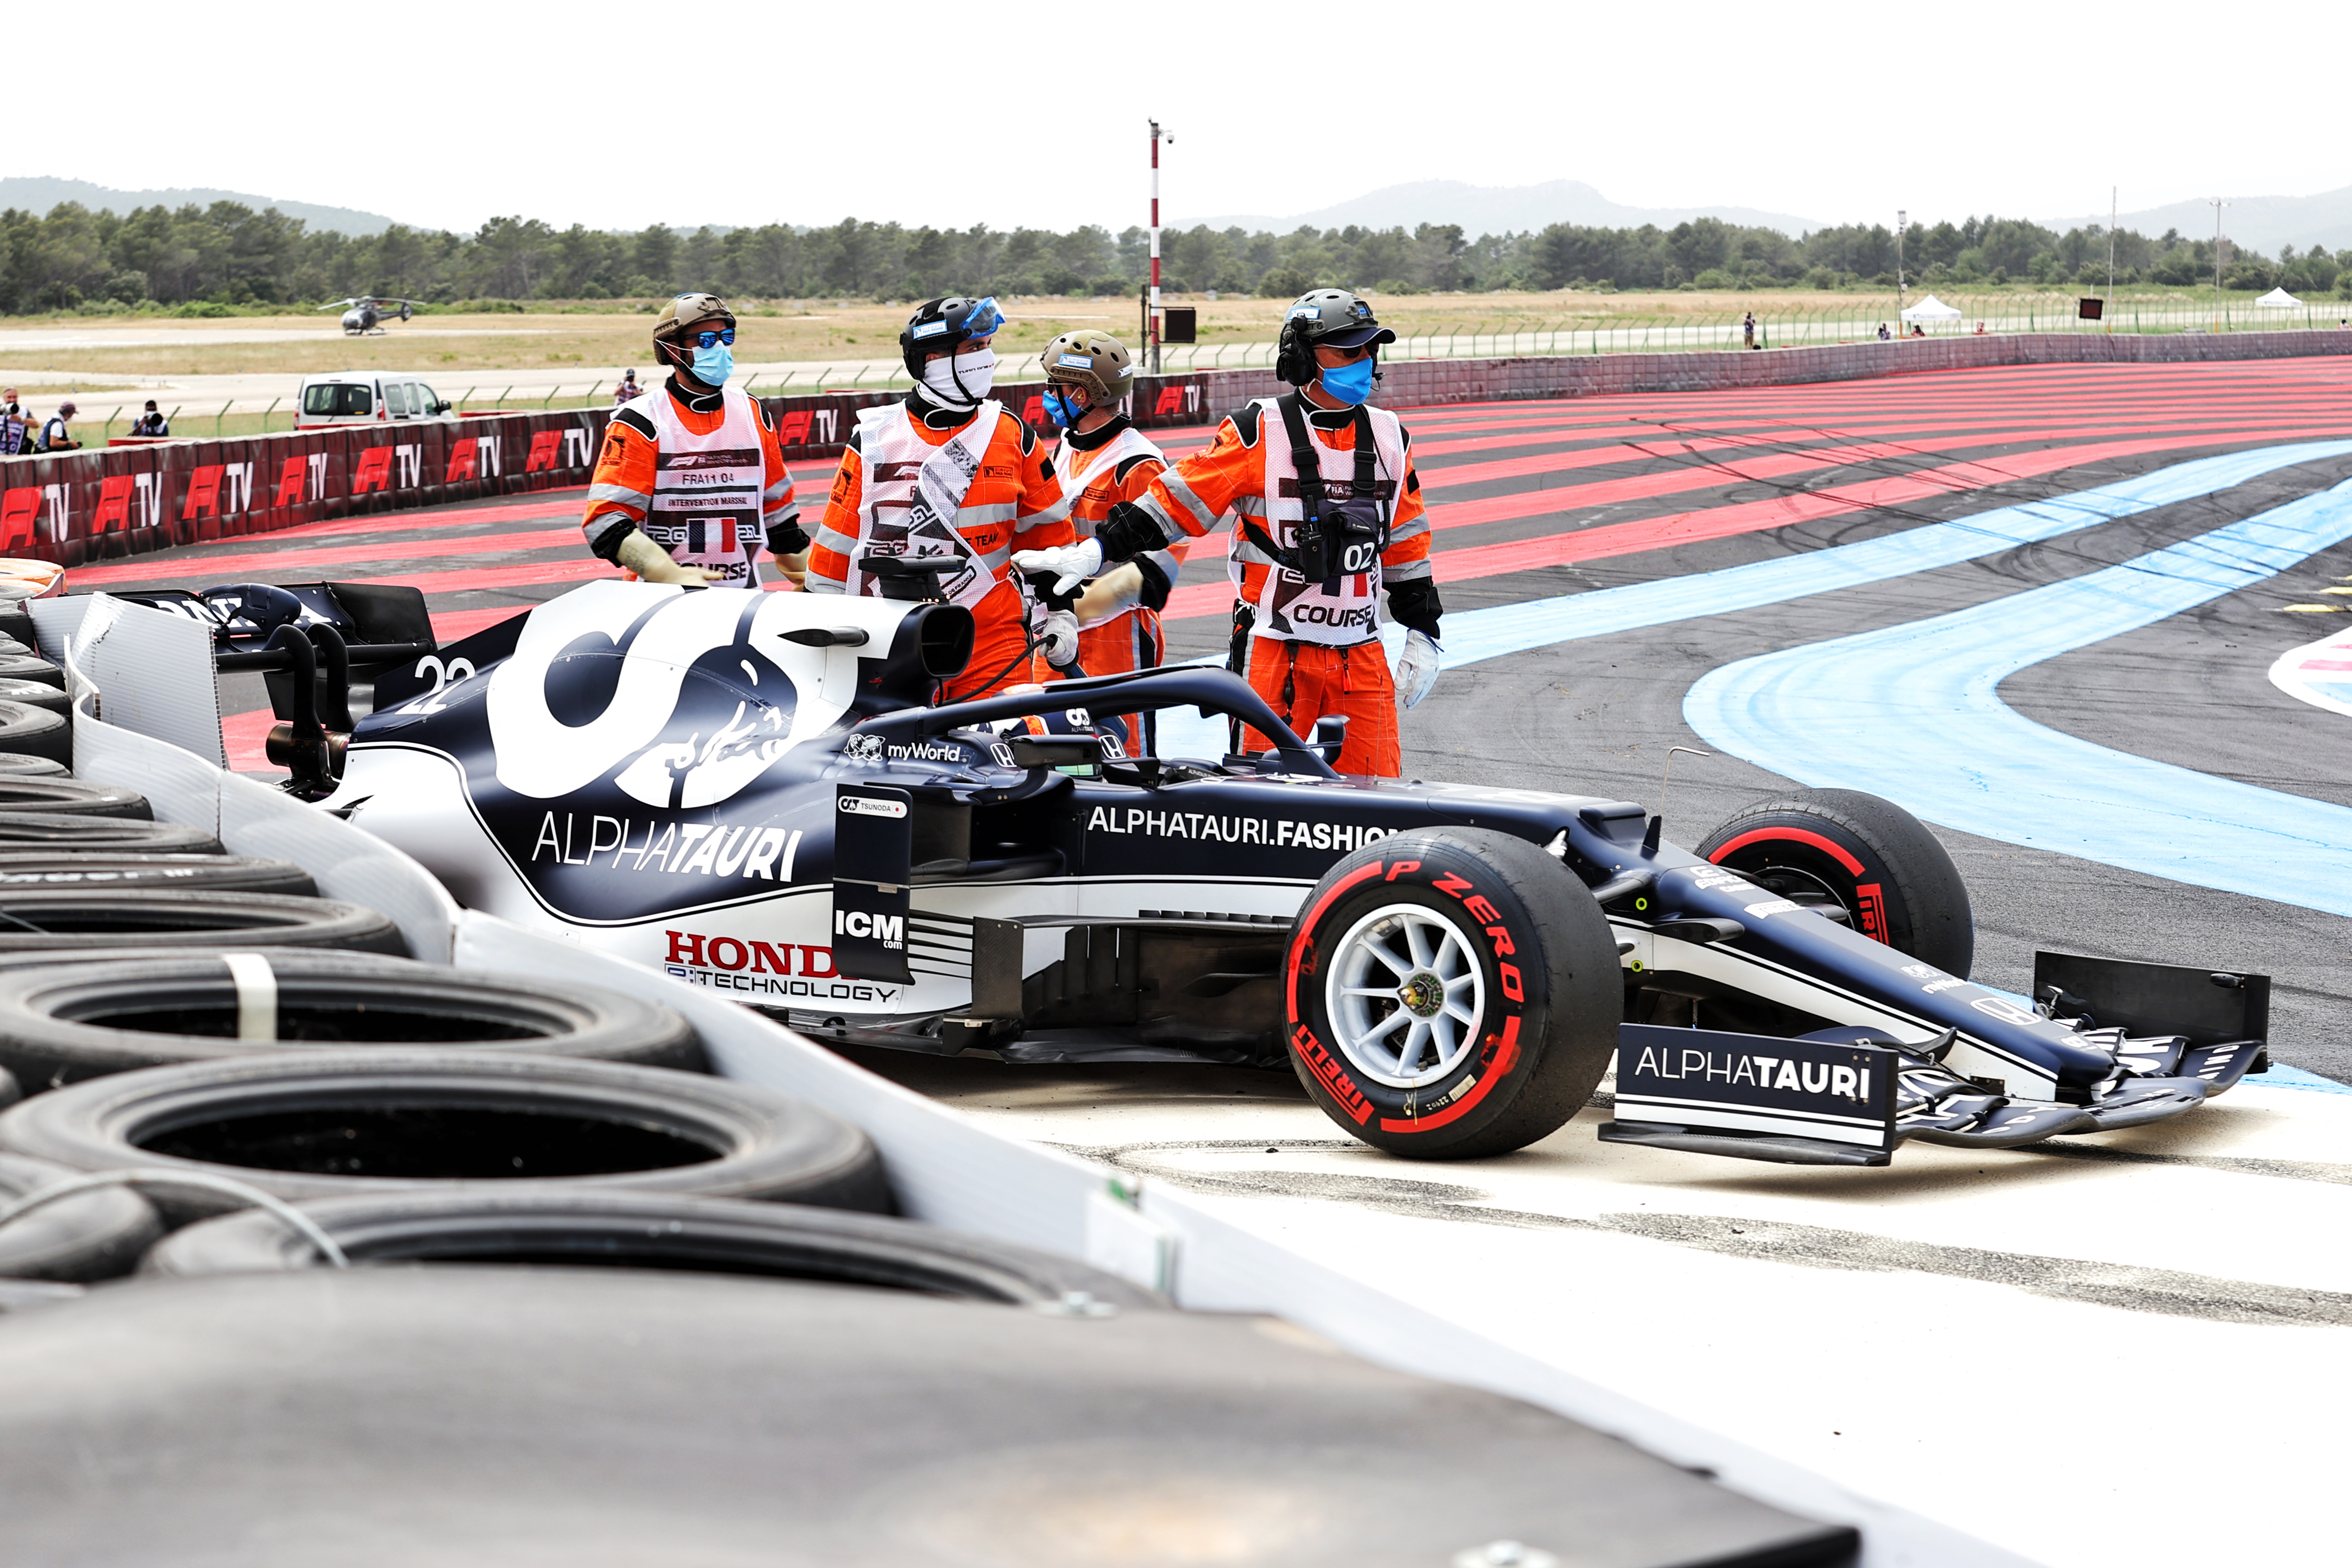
point(712, 340)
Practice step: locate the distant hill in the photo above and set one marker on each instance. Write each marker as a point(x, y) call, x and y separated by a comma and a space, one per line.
point(1498, 209)
point(2262, 222)
point(38, 194)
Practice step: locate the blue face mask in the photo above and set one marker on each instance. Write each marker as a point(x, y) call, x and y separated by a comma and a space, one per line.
point(714, 364)
point(1350, 383)
point(1060, 409)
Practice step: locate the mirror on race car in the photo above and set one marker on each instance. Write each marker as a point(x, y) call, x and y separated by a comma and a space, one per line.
point(1057, 752)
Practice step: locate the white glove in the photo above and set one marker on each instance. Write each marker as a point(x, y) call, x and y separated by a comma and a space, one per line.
point(1057, 635)
point(1075, 562)
point(1416, 667)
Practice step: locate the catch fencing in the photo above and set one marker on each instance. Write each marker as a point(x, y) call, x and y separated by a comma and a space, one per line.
point(78, 507)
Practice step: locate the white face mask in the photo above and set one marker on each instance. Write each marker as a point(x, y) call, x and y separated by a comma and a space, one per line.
point(977, 371)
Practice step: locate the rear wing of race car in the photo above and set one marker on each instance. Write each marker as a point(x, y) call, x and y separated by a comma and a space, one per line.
point(308, 640)
point(1841, 1097)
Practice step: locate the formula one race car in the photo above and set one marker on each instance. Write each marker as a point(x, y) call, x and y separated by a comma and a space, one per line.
point(749, 789)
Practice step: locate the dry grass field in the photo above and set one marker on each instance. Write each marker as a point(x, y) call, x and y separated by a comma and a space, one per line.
point(550, 337)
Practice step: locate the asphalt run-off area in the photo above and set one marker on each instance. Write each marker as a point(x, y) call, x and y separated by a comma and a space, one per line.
point(2040, 607)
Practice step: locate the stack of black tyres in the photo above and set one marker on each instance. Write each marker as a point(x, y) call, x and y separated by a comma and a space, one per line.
point(441, 1267)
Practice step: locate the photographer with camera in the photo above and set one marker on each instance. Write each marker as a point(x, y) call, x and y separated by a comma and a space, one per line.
point(1328, 513)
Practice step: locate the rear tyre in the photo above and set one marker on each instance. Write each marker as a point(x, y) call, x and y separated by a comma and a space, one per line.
point(1843, 848)
point(1452, 993)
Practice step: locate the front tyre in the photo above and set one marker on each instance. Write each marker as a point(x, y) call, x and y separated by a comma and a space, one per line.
point(1861, 854)
point(1451, 993)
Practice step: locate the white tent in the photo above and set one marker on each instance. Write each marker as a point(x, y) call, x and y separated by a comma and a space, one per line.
point(1931, 310)
point(2278, 299)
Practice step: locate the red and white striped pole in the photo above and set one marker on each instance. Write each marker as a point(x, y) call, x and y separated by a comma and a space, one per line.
point(1151, 310)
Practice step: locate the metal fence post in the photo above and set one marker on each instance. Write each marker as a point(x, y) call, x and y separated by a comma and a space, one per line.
point(268, 412)
point(221, 416)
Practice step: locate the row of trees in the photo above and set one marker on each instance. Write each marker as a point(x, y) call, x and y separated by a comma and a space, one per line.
point(228, 255)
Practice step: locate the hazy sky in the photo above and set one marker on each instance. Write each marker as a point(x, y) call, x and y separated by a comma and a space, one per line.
point(619, 115)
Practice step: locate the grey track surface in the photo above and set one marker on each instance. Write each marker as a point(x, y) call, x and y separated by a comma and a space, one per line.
point(1597, 717)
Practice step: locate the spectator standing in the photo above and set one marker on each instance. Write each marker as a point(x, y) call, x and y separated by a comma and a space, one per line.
point(54, 437)
point(1747, 331)
point(628, 391)
point(150, 422)
point(16, 429)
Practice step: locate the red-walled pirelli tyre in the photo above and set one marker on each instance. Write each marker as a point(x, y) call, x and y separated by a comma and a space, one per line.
point(1452, 993)
point(1856, 852)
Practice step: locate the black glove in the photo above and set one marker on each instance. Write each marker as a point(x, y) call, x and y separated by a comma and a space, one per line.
point(1128, 533)
point(1041, 583)
point(1414, 602)
point(787, 538)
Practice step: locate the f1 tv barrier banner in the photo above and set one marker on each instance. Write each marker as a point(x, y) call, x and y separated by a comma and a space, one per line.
point(79, 507)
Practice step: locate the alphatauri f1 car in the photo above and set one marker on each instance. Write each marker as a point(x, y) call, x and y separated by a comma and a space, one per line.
point(752, 790)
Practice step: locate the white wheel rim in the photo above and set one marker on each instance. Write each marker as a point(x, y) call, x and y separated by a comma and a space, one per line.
point(1405, 993)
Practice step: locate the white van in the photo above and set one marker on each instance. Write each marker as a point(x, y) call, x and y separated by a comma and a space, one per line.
point(365, 398)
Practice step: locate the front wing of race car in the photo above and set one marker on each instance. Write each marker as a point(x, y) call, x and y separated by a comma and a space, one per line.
point(1851, 1097)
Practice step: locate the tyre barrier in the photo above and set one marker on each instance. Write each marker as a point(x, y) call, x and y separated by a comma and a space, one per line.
point(63, 796)
point(496, 1414)
point(35, 694)
point(16, 763)
point(32, 667)
point(611, 1229)
point(60, 831)
point(95, 1235)
point(32, 731)
point(323, 1124)
point(60, 920)
point(65, 1018)
point(106, 868)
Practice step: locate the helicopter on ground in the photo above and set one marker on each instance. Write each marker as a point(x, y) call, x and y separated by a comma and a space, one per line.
point(362, 314)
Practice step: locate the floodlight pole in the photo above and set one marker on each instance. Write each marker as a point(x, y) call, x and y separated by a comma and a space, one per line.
point(1901, 221)
point(1151, 311)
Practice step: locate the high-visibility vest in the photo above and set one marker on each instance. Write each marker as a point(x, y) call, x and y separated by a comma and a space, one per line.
point(705, 509)
point(1090, 503)
point(1286, 606)
point(912, 502)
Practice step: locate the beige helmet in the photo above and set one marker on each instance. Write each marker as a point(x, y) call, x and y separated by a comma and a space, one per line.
point(685, 311)
point(1093, 359)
